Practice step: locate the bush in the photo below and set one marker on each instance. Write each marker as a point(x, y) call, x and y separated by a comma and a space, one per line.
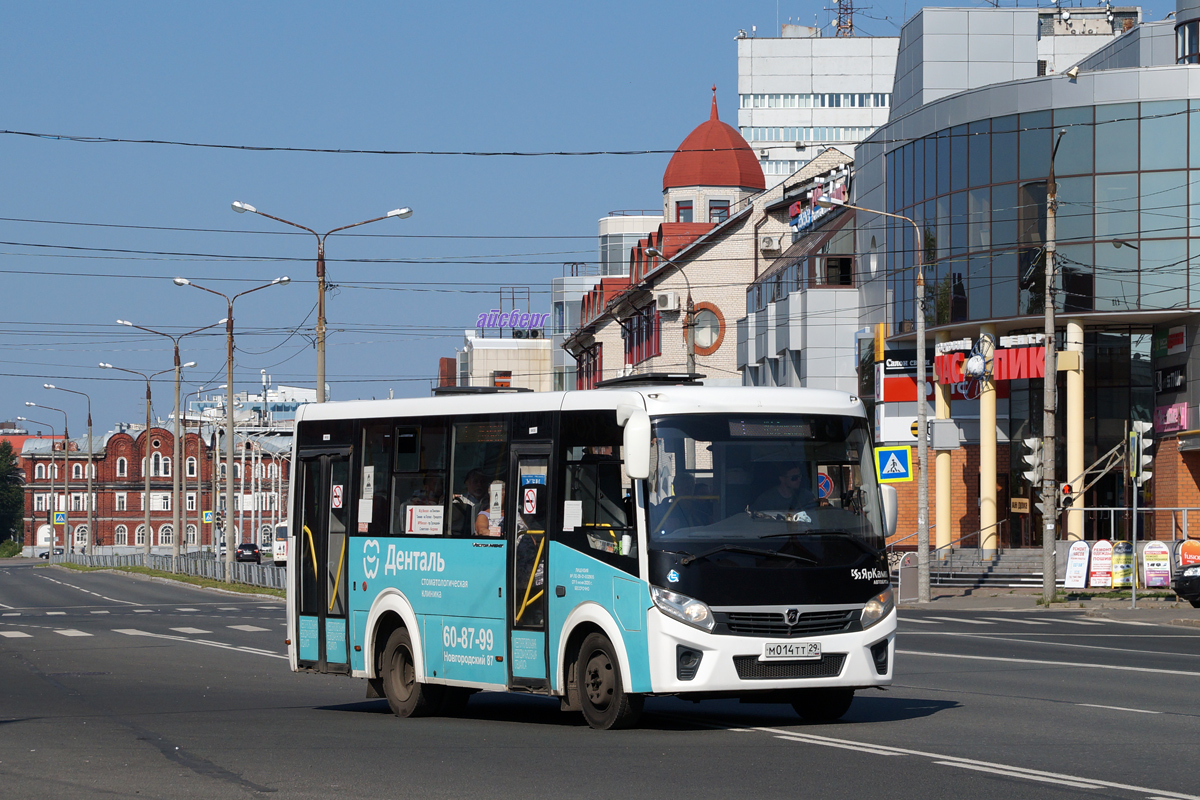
point(9, 548)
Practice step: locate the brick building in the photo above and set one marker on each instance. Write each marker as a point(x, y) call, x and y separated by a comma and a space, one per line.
point(120, 458)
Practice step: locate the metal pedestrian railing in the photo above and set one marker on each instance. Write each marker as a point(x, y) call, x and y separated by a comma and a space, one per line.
point(267, 576)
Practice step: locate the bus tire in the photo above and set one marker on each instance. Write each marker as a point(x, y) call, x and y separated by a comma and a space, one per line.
point(823, 705)
point(604, 702)
point(406, 696)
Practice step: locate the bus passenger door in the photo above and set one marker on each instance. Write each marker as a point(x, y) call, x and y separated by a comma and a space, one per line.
point(320, 560)
point(529, 506)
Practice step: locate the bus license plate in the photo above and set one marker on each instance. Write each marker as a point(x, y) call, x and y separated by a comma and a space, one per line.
point(791, 651)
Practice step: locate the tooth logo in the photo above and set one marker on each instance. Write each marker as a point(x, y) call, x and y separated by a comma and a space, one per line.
point(370, 560)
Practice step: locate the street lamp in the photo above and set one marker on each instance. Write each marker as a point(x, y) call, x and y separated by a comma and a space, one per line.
point(398, 213)
point(689, 322)
point(825, 201)
point(66, 477)
point(91, 530)
point(146, 450)
point(50, 505)
point(229, 544)
point(175, 479)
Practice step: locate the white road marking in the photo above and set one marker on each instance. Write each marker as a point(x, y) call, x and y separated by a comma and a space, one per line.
point(88, 591)
point(963, 620)
point(1072, 664)
point(252, 650)
point(71, 632)
point(247, 628)
point(228, 609)
point(14, 634)
point(143, 611)
point(55, 613)
point(187, 609)
point(991, 637)
point(1131, 622)
point(4, 606)
point(918, 621)
point(189, 630)
point(859, 748)
point(1078, 622)
point(1118, 708)
point(13, 614)
point(1019, 774)
point(1017, 621)
point(99, 612)
point(268, 608)
point(968, 763)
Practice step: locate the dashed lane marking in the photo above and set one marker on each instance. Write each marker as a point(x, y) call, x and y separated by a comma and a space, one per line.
point(1044, 663)
point(963, 620)
point(1017, 621)
point(1078, 622)
point(229, 609)
point(919, 621)
point(247, 628)
point(88, 591)
point(14, 634)
point(1118, 708)
point(1132, 622)
point(55, 613)
point(1082, 783)
point(207, 643)
point(189, 630)
point(187, 609)
point(13, 614)
point(4, 606)
point(143, 610)
point(71, 632)
point(99, 612)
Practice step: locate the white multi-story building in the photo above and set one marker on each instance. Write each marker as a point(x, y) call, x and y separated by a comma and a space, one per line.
point(802, 93)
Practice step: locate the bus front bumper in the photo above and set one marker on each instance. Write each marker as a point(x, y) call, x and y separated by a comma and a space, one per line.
point(736, 664)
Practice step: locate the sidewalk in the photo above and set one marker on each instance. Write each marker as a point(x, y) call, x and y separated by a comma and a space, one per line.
point(1163, 611)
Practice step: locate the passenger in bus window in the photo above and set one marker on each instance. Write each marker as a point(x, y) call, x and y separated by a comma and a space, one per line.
point(489, 519)
point(791, 494)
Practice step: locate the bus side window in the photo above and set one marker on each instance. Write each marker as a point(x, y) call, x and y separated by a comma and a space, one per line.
point(376, 467)
point(597, 494)
point(479, 461)
point(418, 484)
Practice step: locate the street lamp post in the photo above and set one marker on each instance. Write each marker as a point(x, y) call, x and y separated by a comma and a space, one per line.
point(689, 320)
point(91, 530)
point(175, 477)
point(50, 505)
point(199, 469)
point(826, 201)
point(66, 478)
point(399, 213)
point(146, 450)
point(229, 543)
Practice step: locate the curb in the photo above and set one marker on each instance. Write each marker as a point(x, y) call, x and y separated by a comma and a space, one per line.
point(156, 579)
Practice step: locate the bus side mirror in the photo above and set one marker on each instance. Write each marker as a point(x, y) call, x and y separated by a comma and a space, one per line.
point(637, 442)
point(891, 508)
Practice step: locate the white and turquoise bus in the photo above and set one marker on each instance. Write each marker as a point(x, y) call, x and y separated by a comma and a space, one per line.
point(598, 546)
point(280, 544)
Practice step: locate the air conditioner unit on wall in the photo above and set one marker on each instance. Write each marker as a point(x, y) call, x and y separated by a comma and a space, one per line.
point(667, 301)
point(768, 243)
point(764, 154)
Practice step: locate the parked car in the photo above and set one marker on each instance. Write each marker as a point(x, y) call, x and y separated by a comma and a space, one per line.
point(1187, 584)
point(248, 551)
point(58, 551)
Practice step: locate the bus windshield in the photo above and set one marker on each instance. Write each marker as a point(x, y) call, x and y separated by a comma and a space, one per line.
point(798, 485)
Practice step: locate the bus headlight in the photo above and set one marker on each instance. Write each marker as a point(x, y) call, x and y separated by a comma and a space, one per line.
point(683, 608)
point(878, 607)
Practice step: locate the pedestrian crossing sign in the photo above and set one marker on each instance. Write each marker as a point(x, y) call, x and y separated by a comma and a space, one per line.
point(208, 516)
point(893, 464)
point(60, 518)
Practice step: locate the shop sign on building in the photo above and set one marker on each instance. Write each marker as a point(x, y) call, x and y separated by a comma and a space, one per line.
point(1170, 341)
point(1170, 380)
point(1170, 419)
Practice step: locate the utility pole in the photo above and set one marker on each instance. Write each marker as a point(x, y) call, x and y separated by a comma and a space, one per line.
point(1049, 387)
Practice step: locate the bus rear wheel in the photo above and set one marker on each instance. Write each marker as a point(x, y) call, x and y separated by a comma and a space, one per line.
point(604, 702)
point(406, 696)
point(823, 705)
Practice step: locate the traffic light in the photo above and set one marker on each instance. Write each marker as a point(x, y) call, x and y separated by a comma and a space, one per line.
point(1140, 456)
point(1033, 460)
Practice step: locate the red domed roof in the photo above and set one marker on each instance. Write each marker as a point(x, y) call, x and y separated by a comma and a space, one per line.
point(714, 154)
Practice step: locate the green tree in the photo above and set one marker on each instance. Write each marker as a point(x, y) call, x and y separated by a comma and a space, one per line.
point(12, 494)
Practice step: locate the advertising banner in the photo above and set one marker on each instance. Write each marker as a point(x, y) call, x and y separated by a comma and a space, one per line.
point(1189, 553)
point(1122, 564)
point(1077, 566)
point(1101, 574)
point(1156, 565)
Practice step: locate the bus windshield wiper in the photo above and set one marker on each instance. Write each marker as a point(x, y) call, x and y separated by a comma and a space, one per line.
point(754, 551)
point(814, 532)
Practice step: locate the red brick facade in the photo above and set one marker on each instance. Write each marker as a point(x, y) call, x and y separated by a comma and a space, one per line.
point(119, 480)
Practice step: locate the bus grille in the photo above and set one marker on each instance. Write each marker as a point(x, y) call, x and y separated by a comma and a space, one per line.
point(749, 668)
point(746, 623)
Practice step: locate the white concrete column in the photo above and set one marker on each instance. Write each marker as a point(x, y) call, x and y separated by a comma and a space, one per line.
point(988, 539)
point(1075, 465)
point(942, 532)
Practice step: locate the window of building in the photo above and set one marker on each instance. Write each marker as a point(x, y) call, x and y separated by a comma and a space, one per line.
point(273, 471)
point(683, 211)
point(139, 537)
point(590, 367)
point(709, 329)
point(122, 468)
point(643, 337)
point(77, 471)
point(191, 467)
point(121, 535)
point(191, 501)
point(718, 211)
point(166, 535)
point(1187, 43)
point(191, 535)
point(39, 502)
point(120, 501)
point(39, 472)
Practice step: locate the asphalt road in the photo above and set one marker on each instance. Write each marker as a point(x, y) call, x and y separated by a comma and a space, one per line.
point(117, 687)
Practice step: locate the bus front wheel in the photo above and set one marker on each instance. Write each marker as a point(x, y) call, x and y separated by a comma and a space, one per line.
point(823, 705)
point(406, 696)
point(604, 702)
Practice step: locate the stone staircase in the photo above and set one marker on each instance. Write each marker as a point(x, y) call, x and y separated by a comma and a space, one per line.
point(966, 569)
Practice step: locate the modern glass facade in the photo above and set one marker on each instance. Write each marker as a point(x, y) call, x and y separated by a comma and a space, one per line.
point(1128, 221)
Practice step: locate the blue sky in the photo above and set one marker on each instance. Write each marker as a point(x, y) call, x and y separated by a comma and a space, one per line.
point(532, 76)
